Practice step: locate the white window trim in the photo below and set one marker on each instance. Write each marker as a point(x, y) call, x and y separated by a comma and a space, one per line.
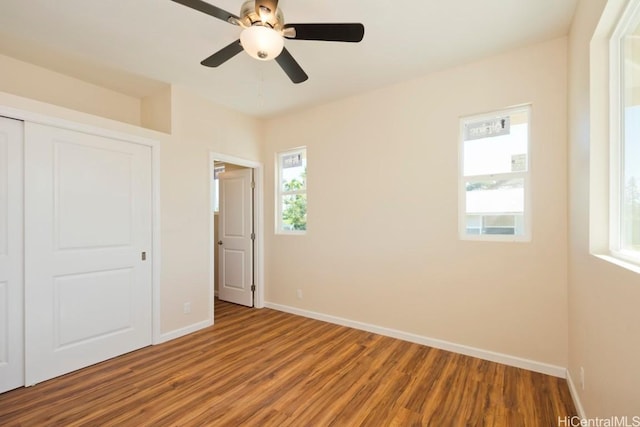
point(462, 201)
point(628, 18)
point(279, 193)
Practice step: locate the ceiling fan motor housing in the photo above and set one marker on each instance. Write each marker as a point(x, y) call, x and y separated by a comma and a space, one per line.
point(250, 17)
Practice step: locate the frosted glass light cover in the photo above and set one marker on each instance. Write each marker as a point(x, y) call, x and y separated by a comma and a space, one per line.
point(261, 43)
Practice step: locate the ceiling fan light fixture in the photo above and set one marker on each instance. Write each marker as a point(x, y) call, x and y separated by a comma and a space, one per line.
point(261, 42)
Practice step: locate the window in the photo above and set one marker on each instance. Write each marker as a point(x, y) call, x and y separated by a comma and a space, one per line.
point(494, 176)
point(625, 137)
point(291, 203)
point(218, 168)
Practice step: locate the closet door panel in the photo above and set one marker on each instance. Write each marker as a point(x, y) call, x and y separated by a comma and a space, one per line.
point(11, 255)
point(87, 223)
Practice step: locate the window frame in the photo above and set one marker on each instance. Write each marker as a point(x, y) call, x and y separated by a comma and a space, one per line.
point(280, 193)
point(524, 175)
point(627, 22)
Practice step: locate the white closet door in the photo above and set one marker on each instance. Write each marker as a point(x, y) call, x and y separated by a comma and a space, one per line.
point(11, 256)
point(87, 222)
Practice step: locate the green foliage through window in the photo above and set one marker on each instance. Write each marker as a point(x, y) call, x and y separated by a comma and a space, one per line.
point(292, 191)
point(294, 213)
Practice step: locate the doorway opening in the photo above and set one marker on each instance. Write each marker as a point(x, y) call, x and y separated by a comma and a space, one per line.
point(236, 231)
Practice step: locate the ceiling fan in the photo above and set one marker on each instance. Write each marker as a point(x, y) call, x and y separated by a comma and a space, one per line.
point(264, 31)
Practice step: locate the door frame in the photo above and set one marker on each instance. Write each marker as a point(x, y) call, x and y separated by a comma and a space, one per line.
point(258, 224)
point(29, 116)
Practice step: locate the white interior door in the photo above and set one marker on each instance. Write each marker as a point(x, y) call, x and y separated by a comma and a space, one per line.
point(88, 220)
point(235, 225)
point(11, 256)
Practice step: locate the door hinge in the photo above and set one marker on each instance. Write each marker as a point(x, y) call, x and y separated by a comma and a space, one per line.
point(253, 288)
point(143, 256)
point(253, 184)
point(253, 236)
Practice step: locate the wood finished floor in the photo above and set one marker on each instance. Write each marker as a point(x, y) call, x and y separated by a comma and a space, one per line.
point(267, 368)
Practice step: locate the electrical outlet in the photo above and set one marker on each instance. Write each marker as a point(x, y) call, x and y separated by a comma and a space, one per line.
point(299, 293)
point(186, 308)
point(581, 377)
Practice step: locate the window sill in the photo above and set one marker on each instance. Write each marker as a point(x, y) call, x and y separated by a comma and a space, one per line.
point(628, 265)
point(494, 238)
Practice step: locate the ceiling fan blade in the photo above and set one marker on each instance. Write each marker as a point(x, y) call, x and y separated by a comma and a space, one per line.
point(326, 32)
point(291, 67)
point(223, 55)
point(209, 9)
point(266, 8)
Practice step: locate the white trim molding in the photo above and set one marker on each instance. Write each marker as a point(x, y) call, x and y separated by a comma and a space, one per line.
point(575, 396)
point(168, 336)
point(505, 359)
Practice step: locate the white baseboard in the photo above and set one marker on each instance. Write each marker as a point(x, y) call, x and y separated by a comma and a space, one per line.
point(505, 359)
point(575, 396)
point(168, 336)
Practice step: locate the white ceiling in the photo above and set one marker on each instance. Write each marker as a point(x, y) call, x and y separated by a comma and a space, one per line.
point(133, 46)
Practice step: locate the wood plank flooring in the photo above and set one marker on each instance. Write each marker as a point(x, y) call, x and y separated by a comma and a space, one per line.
point(267, 368)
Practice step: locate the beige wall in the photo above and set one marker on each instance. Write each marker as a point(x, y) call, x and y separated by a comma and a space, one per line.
point(27, 80)
point(155, 110)
point(382, 244)
point(603, 298)
point(197, 127)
